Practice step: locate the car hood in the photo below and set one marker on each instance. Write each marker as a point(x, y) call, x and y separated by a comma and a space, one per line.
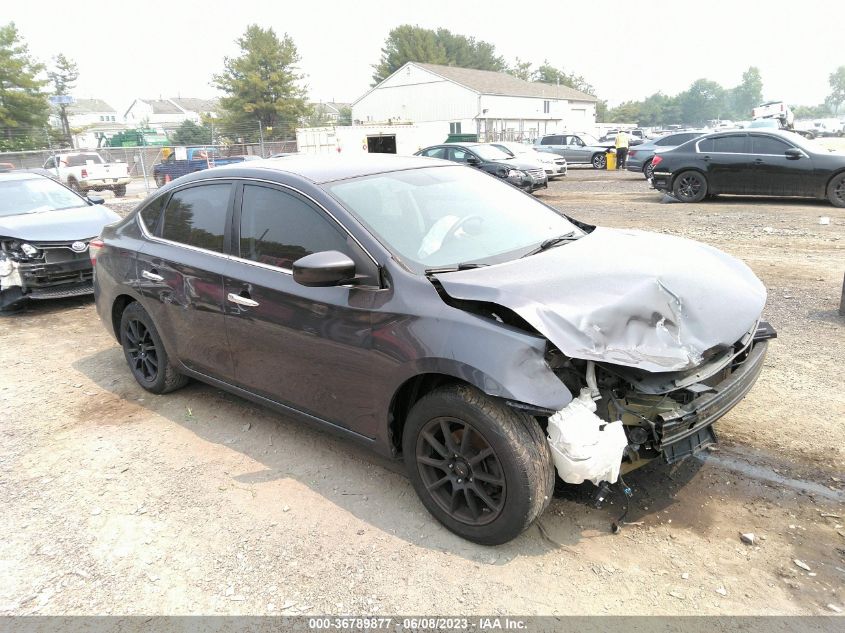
point(53, 226)
point(515, 163)
point(625, 297)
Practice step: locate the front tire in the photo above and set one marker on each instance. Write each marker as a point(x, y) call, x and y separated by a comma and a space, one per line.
point(599, 161)
point(836, 191)
point(482, 469)
point(145, 353)
point(690, 186)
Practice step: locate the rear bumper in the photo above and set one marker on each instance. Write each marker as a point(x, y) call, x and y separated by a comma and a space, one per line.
point(105, 182)
point(661, 181)
point(687, 429)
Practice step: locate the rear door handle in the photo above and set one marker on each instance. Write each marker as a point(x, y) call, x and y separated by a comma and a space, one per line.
point(758, 161)
point(151, 276)
point(242, 301)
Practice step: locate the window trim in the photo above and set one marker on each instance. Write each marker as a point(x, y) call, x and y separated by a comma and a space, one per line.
point(238, 189)
point(162, 240)
point(714, 138)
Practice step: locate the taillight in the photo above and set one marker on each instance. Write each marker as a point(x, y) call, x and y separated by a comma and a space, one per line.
point(656, 161)
point(84, 173)
point(94, 248)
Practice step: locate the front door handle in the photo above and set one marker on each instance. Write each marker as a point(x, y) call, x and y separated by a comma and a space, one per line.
point(242, 301)
point(151, 276)
point(758, 161)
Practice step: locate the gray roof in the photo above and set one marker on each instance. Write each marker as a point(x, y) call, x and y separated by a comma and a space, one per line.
point(162, 106)
point(195, 105)
point(85, 106)
point(489, 82)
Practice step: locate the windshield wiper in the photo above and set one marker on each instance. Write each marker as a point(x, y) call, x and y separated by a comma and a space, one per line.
point(452, 269)
point(553, 241)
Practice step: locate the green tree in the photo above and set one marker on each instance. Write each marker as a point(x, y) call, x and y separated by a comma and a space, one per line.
point(345, 116)
point(190, 133)
point(521, 70)
point(704, 100)
point(63, 75)
point(837, 89)
point(23, 105)
point(548, 74)
point(262, 87)
point(407, 43)
point(811, 112)
point(746, 96)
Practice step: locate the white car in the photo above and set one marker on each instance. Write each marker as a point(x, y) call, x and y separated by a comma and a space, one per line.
point(553, 164)
point(84, 171)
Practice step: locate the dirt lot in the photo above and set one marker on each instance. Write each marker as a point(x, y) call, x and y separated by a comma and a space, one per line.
point(119, 502)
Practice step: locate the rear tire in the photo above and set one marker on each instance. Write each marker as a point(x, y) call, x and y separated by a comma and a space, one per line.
point(690, 186)
point(120, 191)
point(836, 190)
point(74, 185)
point(482, 469)
point(145, 353)
point(599, 161)
point(648, 169)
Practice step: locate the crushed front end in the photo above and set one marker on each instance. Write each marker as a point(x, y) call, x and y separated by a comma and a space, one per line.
point(666, 415)
point(43, 270)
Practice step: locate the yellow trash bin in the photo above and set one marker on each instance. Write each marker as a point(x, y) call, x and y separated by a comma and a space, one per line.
point(610, 160)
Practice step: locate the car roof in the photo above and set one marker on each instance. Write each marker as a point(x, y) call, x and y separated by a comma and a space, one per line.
point(19, 175)
point(327, 168)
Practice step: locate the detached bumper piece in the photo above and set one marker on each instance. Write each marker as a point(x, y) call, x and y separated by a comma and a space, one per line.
point(60, 292)
point(688, 429)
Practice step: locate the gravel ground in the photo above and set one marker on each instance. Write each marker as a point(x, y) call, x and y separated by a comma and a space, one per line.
point(119, 502)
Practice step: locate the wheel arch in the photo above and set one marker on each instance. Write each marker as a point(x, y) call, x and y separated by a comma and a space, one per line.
point(835, 174)
point(119, 305)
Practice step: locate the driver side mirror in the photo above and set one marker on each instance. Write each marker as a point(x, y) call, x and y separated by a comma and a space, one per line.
point(472, 160)
point(95, 199)
point(793, 153)
point(326, 268)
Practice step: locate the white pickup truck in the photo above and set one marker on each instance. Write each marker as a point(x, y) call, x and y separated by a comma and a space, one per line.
point(83, 171)
point(774, 110)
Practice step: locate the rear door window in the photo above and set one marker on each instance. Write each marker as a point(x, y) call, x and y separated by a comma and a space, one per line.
point(552, 140)
point(436, 152)
point(151, 214)
point(196, 216)
point(733, 144)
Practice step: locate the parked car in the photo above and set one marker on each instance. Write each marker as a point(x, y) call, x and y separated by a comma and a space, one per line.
point(438, 316)
point(187, 160)
point(45, 229)
point(751, 162)
point(633, 139)
point(527, 175)
point(554, 166)
point(639, 158)
point(4, 167)
point(86, 171)
point(583, 149)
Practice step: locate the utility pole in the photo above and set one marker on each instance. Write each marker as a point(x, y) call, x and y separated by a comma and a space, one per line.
point(261, 138)
point(52, 153)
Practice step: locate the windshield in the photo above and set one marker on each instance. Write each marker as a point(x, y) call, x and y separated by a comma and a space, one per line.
point(589, 139)
point(445, 216)
point(488, 152)
point(34, 195)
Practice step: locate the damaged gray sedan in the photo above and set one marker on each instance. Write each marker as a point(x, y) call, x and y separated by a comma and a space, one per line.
point(439, 316)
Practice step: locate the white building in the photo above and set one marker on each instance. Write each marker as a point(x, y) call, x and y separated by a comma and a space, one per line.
point(467, 101)
point(168, 114)
point(90, 121)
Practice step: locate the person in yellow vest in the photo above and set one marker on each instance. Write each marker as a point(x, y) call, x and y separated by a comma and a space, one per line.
point(621, 149)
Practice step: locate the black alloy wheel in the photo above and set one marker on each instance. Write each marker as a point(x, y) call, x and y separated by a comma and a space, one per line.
point(836, 191)
point(482, 468)
point(649, 170)
point(141, 351)
point(461, 471)
point(145, 353)
point(690, 186)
